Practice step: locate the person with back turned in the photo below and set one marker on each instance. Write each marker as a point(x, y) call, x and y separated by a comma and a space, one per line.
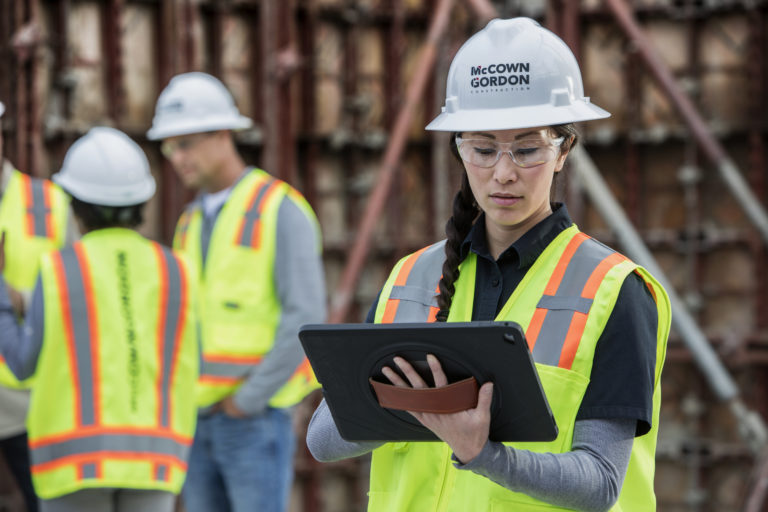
point(111, 340)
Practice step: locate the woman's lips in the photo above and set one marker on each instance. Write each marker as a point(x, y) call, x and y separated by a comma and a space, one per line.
point(505, 199)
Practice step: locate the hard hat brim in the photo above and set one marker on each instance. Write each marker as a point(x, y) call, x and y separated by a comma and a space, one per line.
point(517, 117)
point(106, 195)
point(185, 127)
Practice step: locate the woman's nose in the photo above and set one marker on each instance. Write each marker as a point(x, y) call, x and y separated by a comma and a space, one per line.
point(505, 169)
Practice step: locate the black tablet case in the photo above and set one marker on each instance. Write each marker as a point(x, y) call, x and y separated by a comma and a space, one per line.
point(344, 356)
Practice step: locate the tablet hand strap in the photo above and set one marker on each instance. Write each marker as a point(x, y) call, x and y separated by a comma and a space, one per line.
point(456, 397)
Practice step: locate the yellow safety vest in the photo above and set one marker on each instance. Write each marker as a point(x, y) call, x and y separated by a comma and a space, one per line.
point(563, 304)
point(111, 404)
point(239, 306)
point(33, 215)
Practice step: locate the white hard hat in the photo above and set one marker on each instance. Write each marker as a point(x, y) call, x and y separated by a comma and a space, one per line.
point(106, 167)
point(514, 74)
point(2, 109)
point(194, 103)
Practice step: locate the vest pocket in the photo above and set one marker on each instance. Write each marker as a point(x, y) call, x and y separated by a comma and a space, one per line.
point(564, 390)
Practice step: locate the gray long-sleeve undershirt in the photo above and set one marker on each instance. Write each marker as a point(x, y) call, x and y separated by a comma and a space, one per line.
point(587, 478)
point(300, 285)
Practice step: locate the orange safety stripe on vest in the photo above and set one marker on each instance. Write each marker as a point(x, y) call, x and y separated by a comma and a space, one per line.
point(38, 203)
point(601, 261)
point(249, 233)
point(402, 277)
point(534, 327)
point(69, 267)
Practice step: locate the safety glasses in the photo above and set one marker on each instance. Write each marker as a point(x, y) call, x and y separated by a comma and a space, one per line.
point(525, 153)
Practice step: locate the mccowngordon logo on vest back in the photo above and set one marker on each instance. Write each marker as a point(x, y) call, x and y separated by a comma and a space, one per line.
point(511, 76)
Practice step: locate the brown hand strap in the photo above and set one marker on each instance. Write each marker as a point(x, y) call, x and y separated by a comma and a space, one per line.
point(456, 397)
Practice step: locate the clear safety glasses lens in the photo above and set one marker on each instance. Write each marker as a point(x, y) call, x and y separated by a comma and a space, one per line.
point(527, 153)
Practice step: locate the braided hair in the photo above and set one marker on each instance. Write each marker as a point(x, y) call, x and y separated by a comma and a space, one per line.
point(465, 212)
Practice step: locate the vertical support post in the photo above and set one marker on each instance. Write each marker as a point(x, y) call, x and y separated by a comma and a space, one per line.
point(112, 51)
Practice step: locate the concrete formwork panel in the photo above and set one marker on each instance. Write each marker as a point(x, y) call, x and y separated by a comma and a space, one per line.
point(140, 71)
point(86, 61)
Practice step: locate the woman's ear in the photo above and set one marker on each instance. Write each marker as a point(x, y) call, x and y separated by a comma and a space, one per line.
point(565, 148)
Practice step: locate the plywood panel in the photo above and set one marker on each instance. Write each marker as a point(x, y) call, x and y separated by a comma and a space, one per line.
point(86, 61)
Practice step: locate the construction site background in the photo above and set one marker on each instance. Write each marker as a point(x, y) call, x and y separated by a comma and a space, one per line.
point(327, 81)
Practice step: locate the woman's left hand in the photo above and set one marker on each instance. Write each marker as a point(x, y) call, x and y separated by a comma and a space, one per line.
point(466, 432)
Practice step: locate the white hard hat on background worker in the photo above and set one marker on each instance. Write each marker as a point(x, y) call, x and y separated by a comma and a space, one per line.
point(106, 167)
point(513, 74)
point(194, 103)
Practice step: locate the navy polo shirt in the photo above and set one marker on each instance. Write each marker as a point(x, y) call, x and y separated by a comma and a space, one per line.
point(621, 384)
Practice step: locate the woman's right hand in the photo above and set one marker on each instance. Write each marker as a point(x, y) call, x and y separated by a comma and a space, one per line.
point(466, 432)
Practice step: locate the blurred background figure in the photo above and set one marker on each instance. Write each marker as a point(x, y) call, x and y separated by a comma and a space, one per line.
point(255, 245)
point(34, 217)
point(110, 340)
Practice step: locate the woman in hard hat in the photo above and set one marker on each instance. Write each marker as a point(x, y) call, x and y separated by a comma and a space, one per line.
point(597, 323)
point(110, 341)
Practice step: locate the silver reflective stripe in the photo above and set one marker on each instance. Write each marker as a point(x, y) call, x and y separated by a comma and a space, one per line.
point(228, 370)
point(109, 443)
point(567, 300)
point(78, 310)
point(579, 304)
point(161, 472)
point(252, 215)
point(38, 209)
point(418, 295)
point(172, 316)
point(88, 470)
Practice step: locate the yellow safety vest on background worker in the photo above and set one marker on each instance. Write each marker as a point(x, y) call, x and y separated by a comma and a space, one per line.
point(546, 303)
point(33, 215)
point(239, 306)
point(112, 403)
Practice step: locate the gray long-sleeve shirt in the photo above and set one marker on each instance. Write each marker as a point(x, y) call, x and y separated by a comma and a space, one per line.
point(300, 285)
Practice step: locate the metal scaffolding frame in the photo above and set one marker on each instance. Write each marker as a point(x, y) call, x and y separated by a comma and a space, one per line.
point(281, 44)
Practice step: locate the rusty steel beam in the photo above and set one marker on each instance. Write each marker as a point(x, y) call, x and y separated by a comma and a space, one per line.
point(709, 145)
point(113, 68)
point(342, 297)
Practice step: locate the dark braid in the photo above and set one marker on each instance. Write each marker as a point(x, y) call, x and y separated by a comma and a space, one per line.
point(465, 211)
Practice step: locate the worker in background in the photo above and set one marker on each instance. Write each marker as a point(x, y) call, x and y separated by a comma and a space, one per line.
point(596, 322)
point(255, 244)
point(111, 341)
point(34, 215)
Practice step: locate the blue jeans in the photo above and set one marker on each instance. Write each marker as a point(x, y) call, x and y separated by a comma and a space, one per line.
point(239, 465)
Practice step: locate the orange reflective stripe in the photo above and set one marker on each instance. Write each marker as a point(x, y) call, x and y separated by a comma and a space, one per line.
point(161, 321)
point(433, 311)
point(579, 320)
point(565, 259)
point(69, 333)
point(305, 370)
point(95, 430)
point(26, 187)
point(534, 327)
point(230, 359)
point(94, 329)
point(213, 380)
point(249, 233)
point(92, 458)
point(402, 277)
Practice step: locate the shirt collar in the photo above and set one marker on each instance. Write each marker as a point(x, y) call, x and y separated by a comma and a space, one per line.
point(528, 247)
